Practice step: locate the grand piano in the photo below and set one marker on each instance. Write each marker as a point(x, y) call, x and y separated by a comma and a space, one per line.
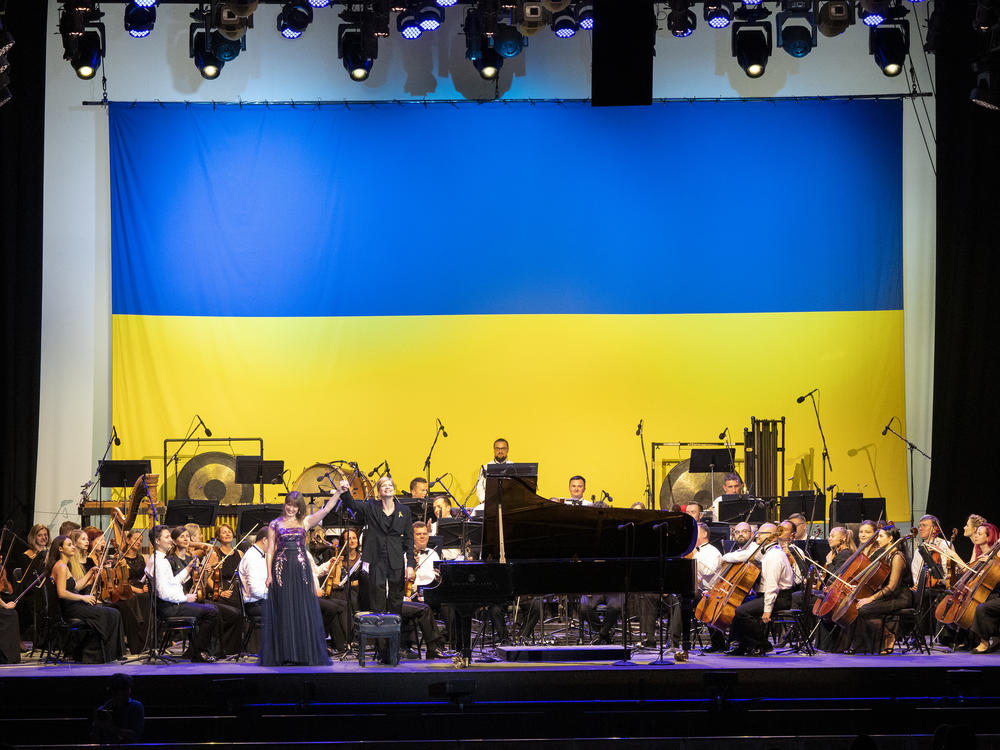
point(532, 545)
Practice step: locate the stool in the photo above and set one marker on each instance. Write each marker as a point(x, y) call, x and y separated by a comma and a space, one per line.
point(378, 625)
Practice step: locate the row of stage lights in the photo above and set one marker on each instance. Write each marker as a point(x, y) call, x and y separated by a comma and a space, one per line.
point(494, 29)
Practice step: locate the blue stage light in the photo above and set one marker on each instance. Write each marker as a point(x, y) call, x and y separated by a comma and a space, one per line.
point(718, 13)
point(139, 19)
point(408, 26)
point(585, 15)
point(564, 24)
point(294, 18)
point(430, 17)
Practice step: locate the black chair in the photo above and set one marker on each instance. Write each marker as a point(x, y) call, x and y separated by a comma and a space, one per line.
point(251, 623)
point(792, 629)
point(905, 624)
point(58, 629)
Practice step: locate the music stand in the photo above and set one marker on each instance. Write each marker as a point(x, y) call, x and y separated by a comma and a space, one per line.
point(709, 461)
point(933, 565)
point(261, 515)
point(742, 510)
point(457, 533)
point(255, 470)
point(201, 512)
point(850, 507)
point(123, 473)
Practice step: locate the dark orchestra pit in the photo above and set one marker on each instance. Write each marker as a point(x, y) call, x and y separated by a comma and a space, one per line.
point(708, 696)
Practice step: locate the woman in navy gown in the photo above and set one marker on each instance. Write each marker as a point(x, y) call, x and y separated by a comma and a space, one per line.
point(292, 630)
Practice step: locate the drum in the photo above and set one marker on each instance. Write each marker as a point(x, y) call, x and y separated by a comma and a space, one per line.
point(313, 480)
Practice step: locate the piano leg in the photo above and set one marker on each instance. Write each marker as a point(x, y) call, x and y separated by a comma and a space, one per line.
point(687, 614)
point(463, 634)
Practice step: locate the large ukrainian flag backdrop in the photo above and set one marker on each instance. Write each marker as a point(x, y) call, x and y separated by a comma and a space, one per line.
point(334, 279)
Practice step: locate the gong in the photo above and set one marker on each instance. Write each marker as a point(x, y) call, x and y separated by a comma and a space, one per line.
point(681, 487)
point(212, 476)
point(317, 478)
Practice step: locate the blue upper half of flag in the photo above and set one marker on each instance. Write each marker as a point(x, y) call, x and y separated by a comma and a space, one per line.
point(444, 209)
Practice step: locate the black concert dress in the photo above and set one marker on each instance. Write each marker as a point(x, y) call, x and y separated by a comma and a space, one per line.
point(105, 620)
point(292, 630)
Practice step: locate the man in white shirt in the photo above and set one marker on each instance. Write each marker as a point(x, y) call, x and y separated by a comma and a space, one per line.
point(748, 634)
point(253, 574)
point(931, 538)
point(731, 485)
point(577, 486)
point(171, 601)
point(500, 450)
point(708, 561)
point(415, 613)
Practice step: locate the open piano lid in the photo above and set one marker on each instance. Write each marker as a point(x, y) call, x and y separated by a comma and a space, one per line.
point(537, 528)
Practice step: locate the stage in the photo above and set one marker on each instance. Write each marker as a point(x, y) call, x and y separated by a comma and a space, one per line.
point(818, 701)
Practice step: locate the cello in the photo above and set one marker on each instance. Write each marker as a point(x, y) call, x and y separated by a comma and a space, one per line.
point(731, 585)
point(843, 584)
point(974, 587)
point(868, 581)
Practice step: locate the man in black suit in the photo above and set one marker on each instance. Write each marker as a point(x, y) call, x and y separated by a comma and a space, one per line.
point(388, 546)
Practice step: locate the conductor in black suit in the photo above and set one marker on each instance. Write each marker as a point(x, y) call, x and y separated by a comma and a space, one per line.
point(388, 543)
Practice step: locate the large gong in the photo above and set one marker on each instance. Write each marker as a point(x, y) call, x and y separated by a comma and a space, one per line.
point(681, 487)
point(212, 476)
point(314, 479)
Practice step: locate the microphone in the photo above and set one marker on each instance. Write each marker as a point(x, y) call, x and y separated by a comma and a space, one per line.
point(638, 430)
point(606, 496)
point(438, 480)
point(723, 433)
point(625, 525)
point(374, 471)
point(659, 525)
point(831, 486)
point(800, 399)
point(443, 430)
point(208, 432)
point(886, 428)
point(114, 434)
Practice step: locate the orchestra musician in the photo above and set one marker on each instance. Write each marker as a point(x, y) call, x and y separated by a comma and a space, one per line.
point(842, 546)
point(320, 549)
point(731, 485)
point(418, 488)
point(77, 562)
point(135, 609)
point(577, 486)
point(748, 633)
point(983, 540)
point(73, 603)
point(708, 560)
point(10, 634)
point(928, 590)
point(253, 573)
point(171, 598)
point(500, 450)
point(32, 563)
point(801, 524)
point(895, 594)
point(973, 522)
point(66, 527)
point(415, 612)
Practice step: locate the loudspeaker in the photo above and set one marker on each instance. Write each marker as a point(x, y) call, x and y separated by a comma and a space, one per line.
point(624, 38)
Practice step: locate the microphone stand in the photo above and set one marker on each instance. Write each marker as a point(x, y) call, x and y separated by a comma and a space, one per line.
point(173, 458)
point(625, 661)
point(661, 558)
point(826, 452)
point(911, 448)
point(645, 461)
point(427, 461)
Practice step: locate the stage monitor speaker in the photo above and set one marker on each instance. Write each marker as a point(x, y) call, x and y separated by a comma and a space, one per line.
point(624, 37)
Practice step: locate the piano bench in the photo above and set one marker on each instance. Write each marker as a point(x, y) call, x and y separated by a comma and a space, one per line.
point(378, 625)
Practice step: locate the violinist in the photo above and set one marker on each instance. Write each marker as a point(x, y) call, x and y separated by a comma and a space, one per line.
point(173, 600)
point(76, 603)
point(320, 549)
point(211, 584)
point(868, 629)
point(32, 563)
point(10, 634)
point(181, 556)
point(226, 561)
point(336, 622)
point(748, 634)
point(253, 574)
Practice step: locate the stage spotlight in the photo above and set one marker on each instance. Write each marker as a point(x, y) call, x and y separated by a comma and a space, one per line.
point(508, 41)
point(585, 15)
point(205, 60)
point(873, 12)
point(140, 18)
point(89, 53)
point(564, 23)
point(407, 25)
point(488, 64)
point(446, 3)
point(751, 46)
point(554, 6)
point(984, 93)
point(681, 19)
point(357, 49)
point(320, 3)
point(888, 45)
point(718, 13)
point(751, 3)
point(430, 17)
point(294, 18)
point(796, 27)
point(6, 40)
point(835, 16)
point(83, 37)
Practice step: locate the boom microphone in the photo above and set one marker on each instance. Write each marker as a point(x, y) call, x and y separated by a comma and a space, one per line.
point(638, 430)
point(723, 433)
point(625, 525)
point(886, 428)
point(800, 399)
point(443, 430)
point(114, 434)
point(208, 432)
